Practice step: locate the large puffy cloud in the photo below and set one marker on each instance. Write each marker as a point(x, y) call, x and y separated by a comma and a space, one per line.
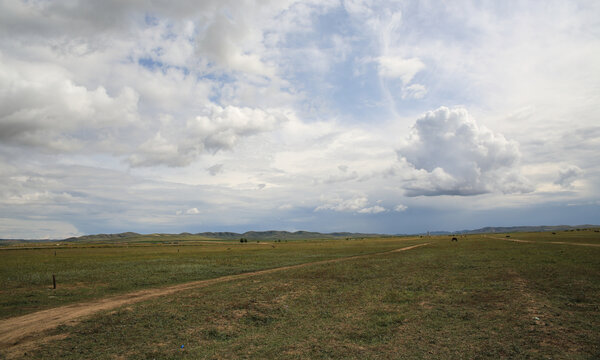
point(219, 129)
point(41, 106)
point(453, 155)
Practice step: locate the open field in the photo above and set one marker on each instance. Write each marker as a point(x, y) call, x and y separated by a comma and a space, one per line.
point(480, 297)
point(591, 236)
point(87, 271)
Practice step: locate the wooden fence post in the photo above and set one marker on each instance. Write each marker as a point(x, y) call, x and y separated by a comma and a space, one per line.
point(53, 282)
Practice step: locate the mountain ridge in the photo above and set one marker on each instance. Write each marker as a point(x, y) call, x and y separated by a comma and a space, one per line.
point(302, 234)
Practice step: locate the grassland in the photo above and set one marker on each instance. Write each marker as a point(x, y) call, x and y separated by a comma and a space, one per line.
point(480, 297)
point(86, 271)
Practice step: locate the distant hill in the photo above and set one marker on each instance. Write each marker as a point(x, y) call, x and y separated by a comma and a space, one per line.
point(514, 229)
point(98, 237)
point(286, 235)
point(283, 235)
point(224, 235)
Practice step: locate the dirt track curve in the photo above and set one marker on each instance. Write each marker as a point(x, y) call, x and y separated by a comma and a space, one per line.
point(14, 331)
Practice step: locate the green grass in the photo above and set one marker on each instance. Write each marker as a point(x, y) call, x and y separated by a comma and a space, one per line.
point(589, 236)
point(97, 270)
point(475, 299)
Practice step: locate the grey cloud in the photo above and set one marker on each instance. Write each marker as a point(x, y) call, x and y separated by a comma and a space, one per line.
point(568, 175)
point(222, 128)
point(452, 155)
point(161, 151)
point(229, 33)
point(215, 169)
point(222, 43)
point(87, 18)
point(41, 107)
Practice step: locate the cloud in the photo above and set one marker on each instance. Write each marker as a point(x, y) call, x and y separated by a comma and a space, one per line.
point(400, 208)
point(215, 169)
point(219, 129)
point(117, 116)
point(372, 210)
point(398, 67)
point(228, 43)
point(41, 197)
point(414, 91)
point(339, 204)
point(222, 127)
point(11, 228)
point(42, 107)
point(357, 204)
point(192, 211)
point(160, 151)
point(567, 176)
point(453, 155)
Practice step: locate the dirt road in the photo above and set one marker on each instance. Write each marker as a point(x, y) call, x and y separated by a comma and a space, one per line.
point(22, 329)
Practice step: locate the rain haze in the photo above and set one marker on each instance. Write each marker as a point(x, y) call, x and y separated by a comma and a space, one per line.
point(362, 116)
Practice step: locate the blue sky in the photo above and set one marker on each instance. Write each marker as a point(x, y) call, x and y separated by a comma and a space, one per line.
point(370, 116)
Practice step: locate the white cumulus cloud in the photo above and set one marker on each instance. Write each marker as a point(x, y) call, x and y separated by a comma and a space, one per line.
point(453, 155)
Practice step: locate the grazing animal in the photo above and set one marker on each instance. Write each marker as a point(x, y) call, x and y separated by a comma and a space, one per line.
point(454, 239)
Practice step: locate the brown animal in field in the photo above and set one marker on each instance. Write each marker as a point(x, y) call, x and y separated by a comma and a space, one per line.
point(454, 239)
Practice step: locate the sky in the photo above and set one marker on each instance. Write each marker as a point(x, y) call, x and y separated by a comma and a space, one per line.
point(364, 116)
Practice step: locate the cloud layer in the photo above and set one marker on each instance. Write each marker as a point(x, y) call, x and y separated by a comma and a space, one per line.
point(320, 115)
